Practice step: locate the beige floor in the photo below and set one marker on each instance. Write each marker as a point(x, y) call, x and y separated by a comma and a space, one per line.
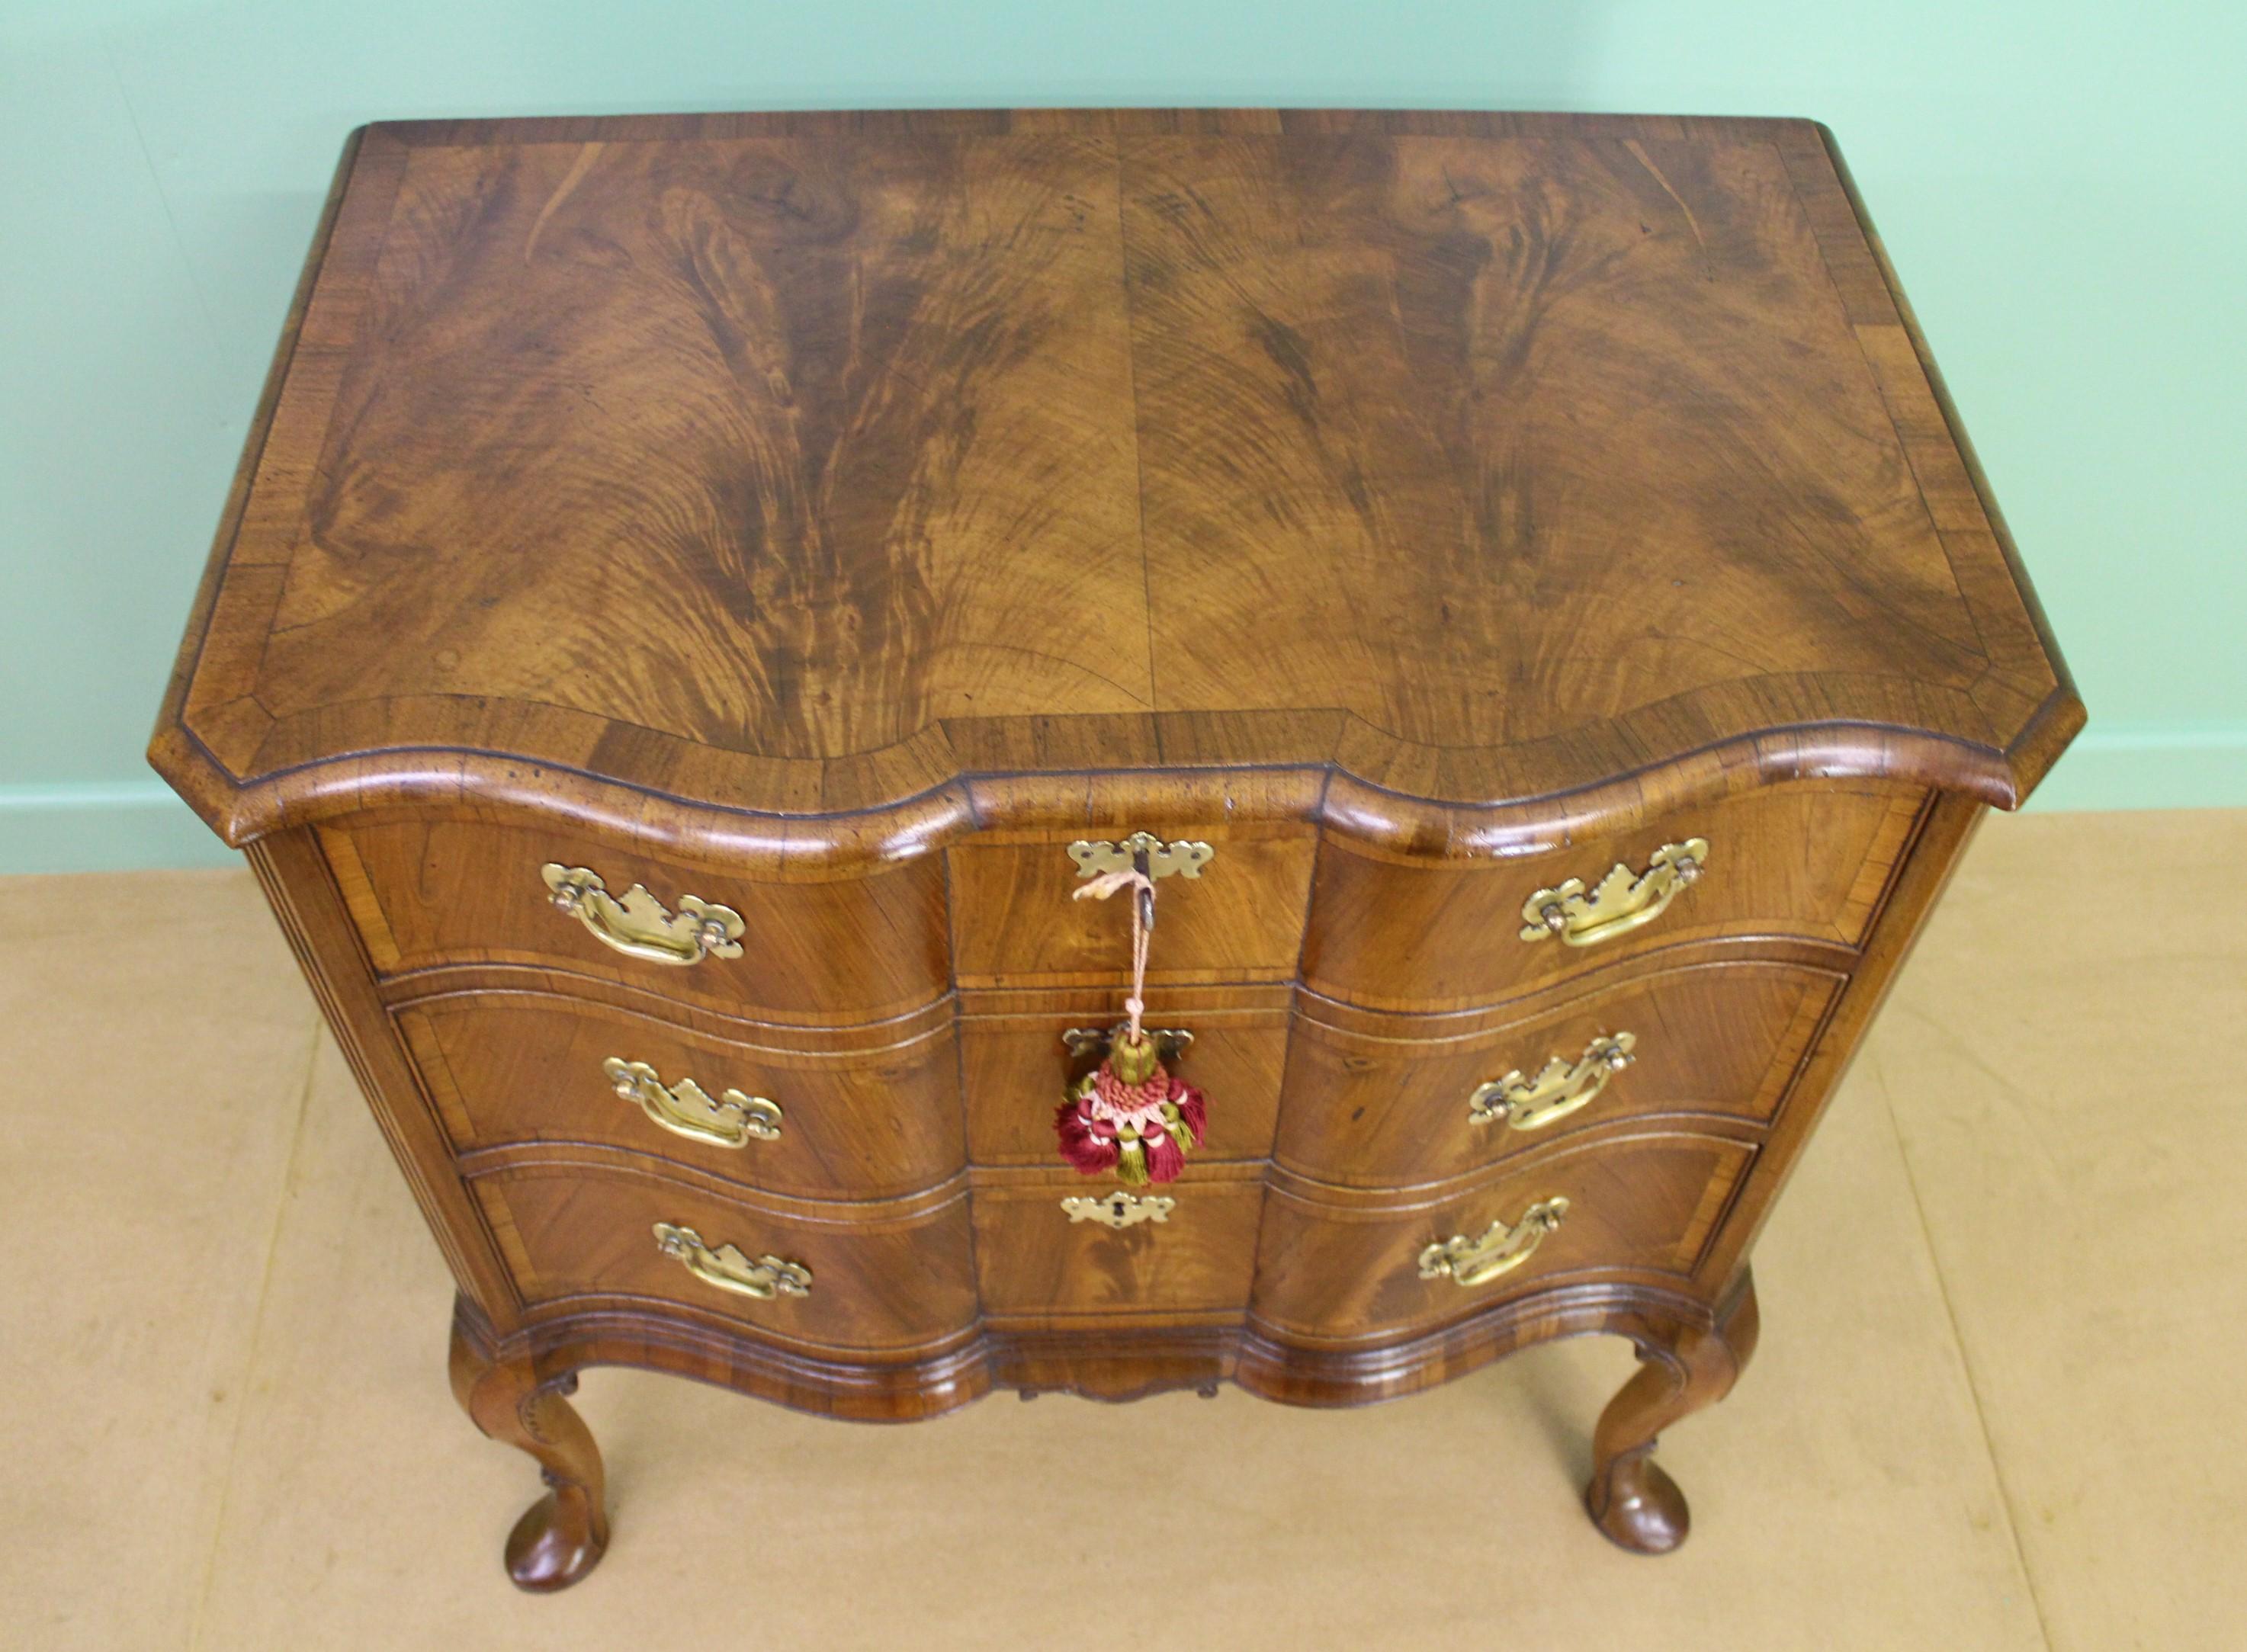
point(1996, 1404)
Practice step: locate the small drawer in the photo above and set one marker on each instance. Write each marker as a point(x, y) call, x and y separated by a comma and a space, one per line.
point(1337, 1267)
point(1375, 1099)
point(855, 1112)
point(1806, 862)
point(430, 892)
point(1238, 918)
point(578, 1226)
point(1017, 1061)
point(1068, 1248)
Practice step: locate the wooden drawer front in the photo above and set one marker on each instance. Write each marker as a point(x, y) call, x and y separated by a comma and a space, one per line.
point(1375, 1099)
point(1016, 1065)
point(433, 891)
point(1337, 1268)
point(1036, 1262)
point(1807, 861)
point(870, 1113)
point(1240, 920)
point(889, 1283)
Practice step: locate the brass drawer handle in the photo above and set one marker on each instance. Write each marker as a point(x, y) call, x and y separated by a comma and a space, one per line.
point(1469, 1262)
point(639, 925)
point(1621, 902)
point(685, 1109)
point(728, 1269)
point(1559, 1090)
point(1119, 1209)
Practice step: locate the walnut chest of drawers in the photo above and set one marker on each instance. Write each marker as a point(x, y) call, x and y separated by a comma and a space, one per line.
point(702, 591)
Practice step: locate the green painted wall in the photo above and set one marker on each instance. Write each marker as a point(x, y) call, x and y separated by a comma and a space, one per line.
point(2050, 176)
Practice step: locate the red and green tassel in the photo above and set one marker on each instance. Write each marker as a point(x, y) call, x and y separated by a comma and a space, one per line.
point(1129, 1118)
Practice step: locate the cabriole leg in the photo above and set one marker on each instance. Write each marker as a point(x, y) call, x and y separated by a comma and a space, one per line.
point(1630, 1499)
point(561, 1537)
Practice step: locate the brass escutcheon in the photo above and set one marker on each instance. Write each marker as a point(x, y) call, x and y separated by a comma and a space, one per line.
point(1143, 850)
point(1119, 1209)
point(1171, 1043)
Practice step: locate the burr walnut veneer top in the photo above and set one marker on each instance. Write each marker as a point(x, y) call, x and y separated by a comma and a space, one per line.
point(889, 468)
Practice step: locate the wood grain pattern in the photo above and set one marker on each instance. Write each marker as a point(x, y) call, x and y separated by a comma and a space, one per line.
point(833, 516)
point(1493, 393)
point(1039, 1270)
point(817, 394)
point(1015, 924)
point(1379, 1100)
point(887, 1281)
point(871, 1114)
point(1806, 861)
point(852, 455)
point(1339, 1265)
point(444, 892)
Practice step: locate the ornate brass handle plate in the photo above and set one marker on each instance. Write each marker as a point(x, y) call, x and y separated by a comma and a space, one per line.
point(639, 925)
point(1622, 901)
point(1502, 1247)
point(1160, 859)
point(1119, 1209)
point(685, 1109)
point(728, 1269)
point(1145, 852)
point(1559, 1090)
point(1171, 1043)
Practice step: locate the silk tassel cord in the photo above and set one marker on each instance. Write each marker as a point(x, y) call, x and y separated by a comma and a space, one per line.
point(1129, 1117)
point(1100, 888)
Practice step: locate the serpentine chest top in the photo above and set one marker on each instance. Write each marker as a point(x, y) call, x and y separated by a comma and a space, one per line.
point(1504, 595)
